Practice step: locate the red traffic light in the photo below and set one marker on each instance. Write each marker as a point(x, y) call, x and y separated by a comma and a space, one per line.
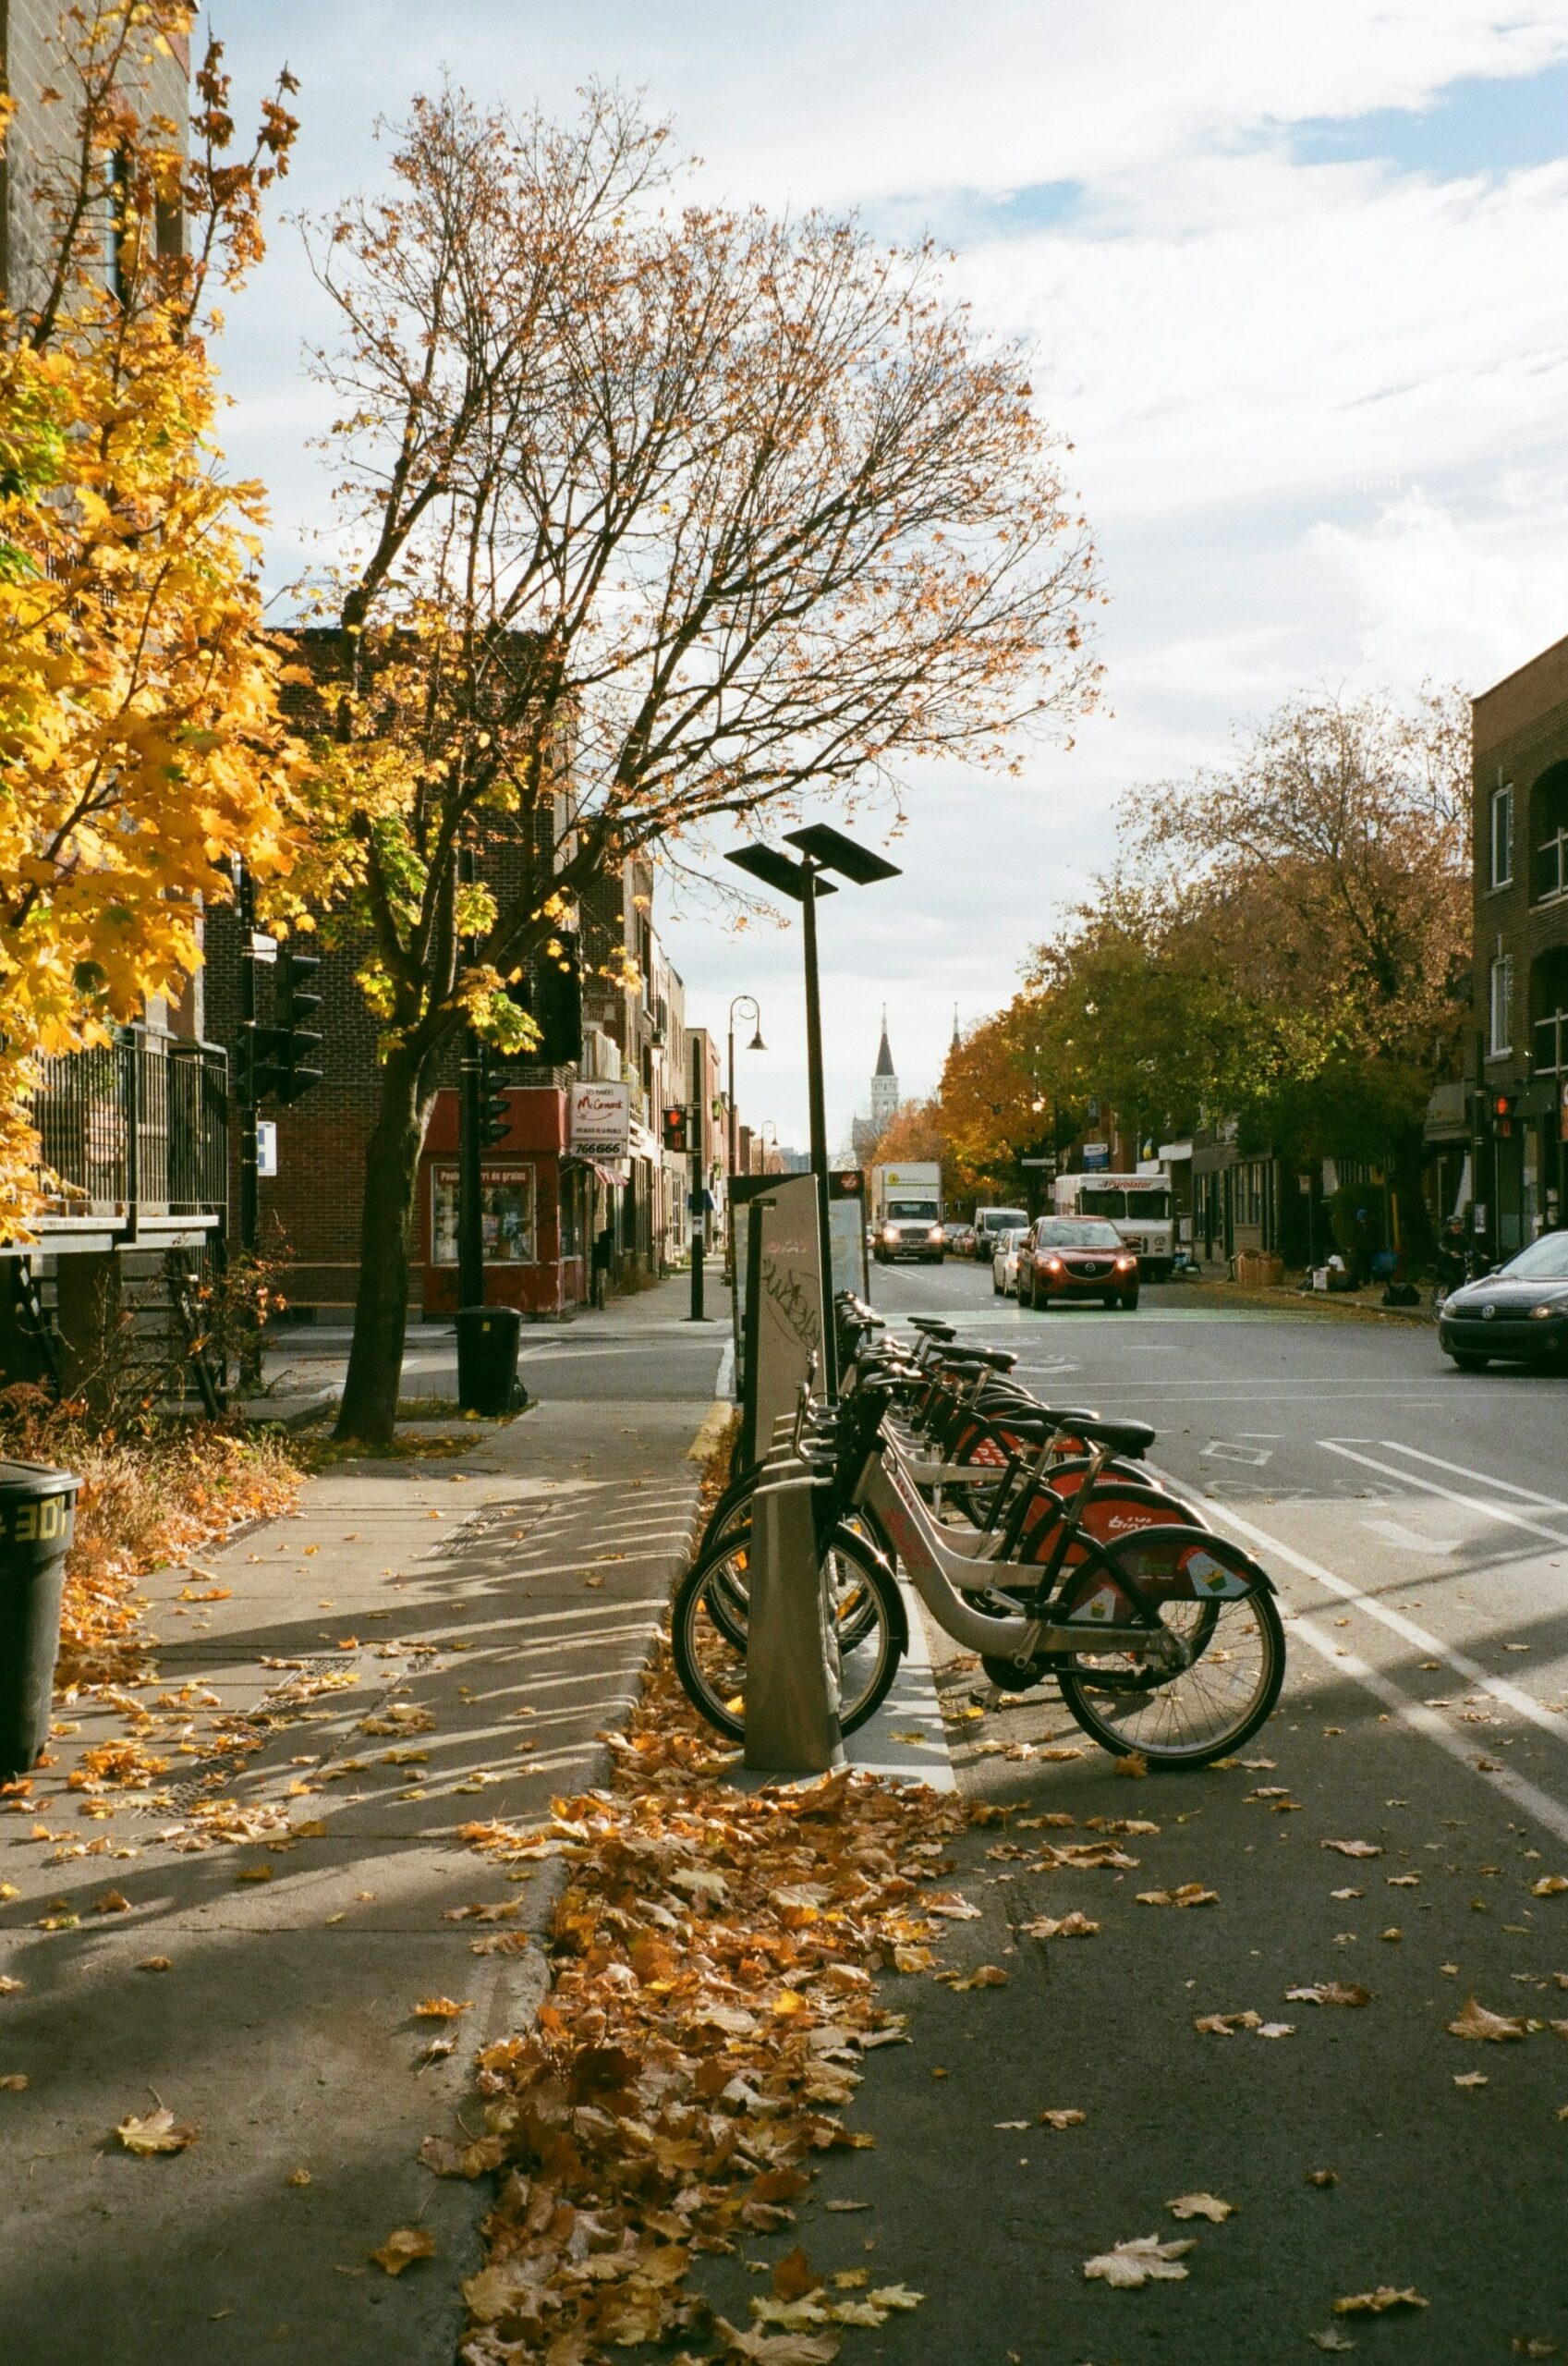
point(673, 1135)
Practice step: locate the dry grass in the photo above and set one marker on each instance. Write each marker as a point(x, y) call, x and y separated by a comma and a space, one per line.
point(146, 1498)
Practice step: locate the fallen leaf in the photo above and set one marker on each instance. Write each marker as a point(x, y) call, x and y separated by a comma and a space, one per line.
point(1352, 1847)
point(1070, 1926)
point(159, 2132)
point(1145, 2259)
point(1322, 2177)
point(1335, 2340)
point(1329, 1992)
point(297, 2176)
point(9, 1987)
point(985, 1975)
point(155, 1963)
point(111, 1903)
point(1475, 2021)
point(778, 2349)
point(403, 2247)
point(14, 2082)
point(1375, 2304)
point(1068, 2119)
point(1200, 2205)
point(1190, 1894)
point(441, 2009)
point(1469, 2077)
point(1134, 1765)
point(1548, 1885)
point(793, 2275)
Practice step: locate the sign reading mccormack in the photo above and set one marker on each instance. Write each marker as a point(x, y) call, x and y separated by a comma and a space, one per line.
point(600, 1119)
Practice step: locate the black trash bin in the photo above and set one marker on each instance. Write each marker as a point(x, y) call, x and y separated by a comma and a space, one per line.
point(488, 1338)
point(37, 1516)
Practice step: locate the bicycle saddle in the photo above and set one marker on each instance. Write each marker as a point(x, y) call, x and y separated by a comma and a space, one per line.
point(979, 1358)
point(1122, 1437)
point(932, 1326)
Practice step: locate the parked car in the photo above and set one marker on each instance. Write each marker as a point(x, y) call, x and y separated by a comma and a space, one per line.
point(991, 1223)
point(1005, 1261)
point(961, 1240)
point(1075, 1257)
point(1518, 1314)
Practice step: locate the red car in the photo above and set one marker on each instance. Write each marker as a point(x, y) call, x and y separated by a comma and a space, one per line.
point(1076, 1257)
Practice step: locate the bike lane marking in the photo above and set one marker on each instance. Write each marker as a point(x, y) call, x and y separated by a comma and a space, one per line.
point(1507, 1695)
point(1432, 1487)
point(1525, 1795)
point(1461, 1470)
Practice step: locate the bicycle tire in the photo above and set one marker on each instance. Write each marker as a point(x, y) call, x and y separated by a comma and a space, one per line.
point(1109, 1701)
point(711, 1667)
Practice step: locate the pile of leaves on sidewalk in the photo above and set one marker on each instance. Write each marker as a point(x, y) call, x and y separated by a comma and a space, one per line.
point(713, 2004)
point(147, 1495)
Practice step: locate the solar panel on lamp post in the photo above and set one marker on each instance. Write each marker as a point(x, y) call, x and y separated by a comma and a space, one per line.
point(821, 849)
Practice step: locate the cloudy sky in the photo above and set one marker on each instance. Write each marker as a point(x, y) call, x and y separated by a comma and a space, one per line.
point(1294, 280)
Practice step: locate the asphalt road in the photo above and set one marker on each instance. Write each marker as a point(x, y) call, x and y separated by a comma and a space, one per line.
point(1417, 1523)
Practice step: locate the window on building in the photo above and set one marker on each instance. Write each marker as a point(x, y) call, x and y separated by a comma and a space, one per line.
point(1549, 834)
point(1500, 1005)
point(1501, 837)
point(1248, 1187)
point(1549, 1008)
point(506, 1210)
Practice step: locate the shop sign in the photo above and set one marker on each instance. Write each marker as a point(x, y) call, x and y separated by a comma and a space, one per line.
point(600, 1117)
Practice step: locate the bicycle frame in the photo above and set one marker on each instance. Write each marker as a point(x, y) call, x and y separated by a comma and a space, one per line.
point(939, 1574)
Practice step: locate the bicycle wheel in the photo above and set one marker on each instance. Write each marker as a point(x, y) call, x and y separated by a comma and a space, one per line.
point(709, 1645)
point(1217, 1604)
point(854, 1606)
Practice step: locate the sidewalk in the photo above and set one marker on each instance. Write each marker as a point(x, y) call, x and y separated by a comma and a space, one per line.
point(428, 1642)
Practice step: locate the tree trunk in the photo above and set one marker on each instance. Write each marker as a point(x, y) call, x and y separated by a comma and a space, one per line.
point(381, 1309)
point(1415, 1223)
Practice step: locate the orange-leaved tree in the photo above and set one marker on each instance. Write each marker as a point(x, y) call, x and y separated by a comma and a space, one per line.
point(139, 718)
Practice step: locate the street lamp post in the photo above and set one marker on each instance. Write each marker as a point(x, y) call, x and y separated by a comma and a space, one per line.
point(821, 849)
point(738, 1002)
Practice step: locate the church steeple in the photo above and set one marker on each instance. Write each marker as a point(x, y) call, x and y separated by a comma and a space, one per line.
point(957, 1041)
point(884, 1082)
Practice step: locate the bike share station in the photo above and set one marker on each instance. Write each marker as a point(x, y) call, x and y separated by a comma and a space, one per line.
point(784, 1289)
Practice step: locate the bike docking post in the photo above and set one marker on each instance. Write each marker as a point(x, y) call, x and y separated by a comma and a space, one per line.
point(792, 1676)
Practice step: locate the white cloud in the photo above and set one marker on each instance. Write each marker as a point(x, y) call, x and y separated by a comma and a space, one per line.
point(1317, 408)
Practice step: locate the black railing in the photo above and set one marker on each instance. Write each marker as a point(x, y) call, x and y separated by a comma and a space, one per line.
point(135, 1127)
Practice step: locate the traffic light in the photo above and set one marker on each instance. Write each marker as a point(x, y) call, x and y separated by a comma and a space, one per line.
point(555, 1002)
point(298, 1029)
point(495, 1110)
point(674, 1136)
point(260, 1064)
point(1502, 1107)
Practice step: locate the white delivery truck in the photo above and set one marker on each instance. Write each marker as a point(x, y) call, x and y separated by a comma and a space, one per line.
point(1139, 1207)
point(906, 1212)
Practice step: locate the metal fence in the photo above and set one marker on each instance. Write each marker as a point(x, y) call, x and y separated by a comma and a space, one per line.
point(138, 1126)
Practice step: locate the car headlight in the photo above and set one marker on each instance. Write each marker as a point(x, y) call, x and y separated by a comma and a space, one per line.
point(935, 1234)
point(1125, 1264)
point(890, 1232)
point(1053, 1264)
point(1544, 1313)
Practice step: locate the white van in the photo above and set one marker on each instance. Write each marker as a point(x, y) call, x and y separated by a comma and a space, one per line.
point(1139, 1207)
point(990, 1225)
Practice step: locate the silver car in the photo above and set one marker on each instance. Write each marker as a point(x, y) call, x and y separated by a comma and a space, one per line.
point(1005, 1261)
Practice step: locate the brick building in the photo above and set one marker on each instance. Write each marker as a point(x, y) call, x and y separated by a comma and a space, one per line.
point(1520, 1065)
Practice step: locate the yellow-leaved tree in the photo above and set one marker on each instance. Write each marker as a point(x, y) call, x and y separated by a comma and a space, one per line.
point(140, 738)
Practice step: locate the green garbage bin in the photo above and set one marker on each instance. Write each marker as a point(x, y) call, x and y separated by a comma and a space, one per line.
point(37, 1518)
point(488, 1338)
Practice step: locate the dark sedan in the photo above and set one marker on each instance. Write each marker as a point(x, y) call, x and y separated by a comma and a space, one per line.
point(1518, 1315)
point(1068, 1256)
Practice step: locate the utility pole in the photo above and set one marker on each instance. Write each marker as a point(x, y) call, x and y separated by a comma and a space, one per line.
point(699, 1136)
point(470, 1210)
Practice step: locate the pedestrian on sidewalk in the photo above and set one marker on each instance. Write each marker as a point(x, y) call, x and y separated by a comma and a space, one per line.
point(603, 1259)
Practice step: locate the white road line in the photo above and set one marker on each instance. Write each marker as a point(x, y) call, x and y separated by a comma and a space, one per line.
point(1448, 1495)
point(1393, 1532)
point(1523, 1794)
point(1508, 1694)
point(1459, 1471)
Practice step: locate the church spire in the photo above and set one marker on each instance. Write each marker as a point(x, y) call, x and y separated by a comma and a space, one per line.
point(957, 1039)
point(884, 1082)
point(884, 1053)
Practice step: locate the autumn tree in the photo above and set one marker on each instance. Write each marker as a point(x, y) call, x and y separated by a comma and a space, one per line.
point(138, 694)
point(657, 515)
